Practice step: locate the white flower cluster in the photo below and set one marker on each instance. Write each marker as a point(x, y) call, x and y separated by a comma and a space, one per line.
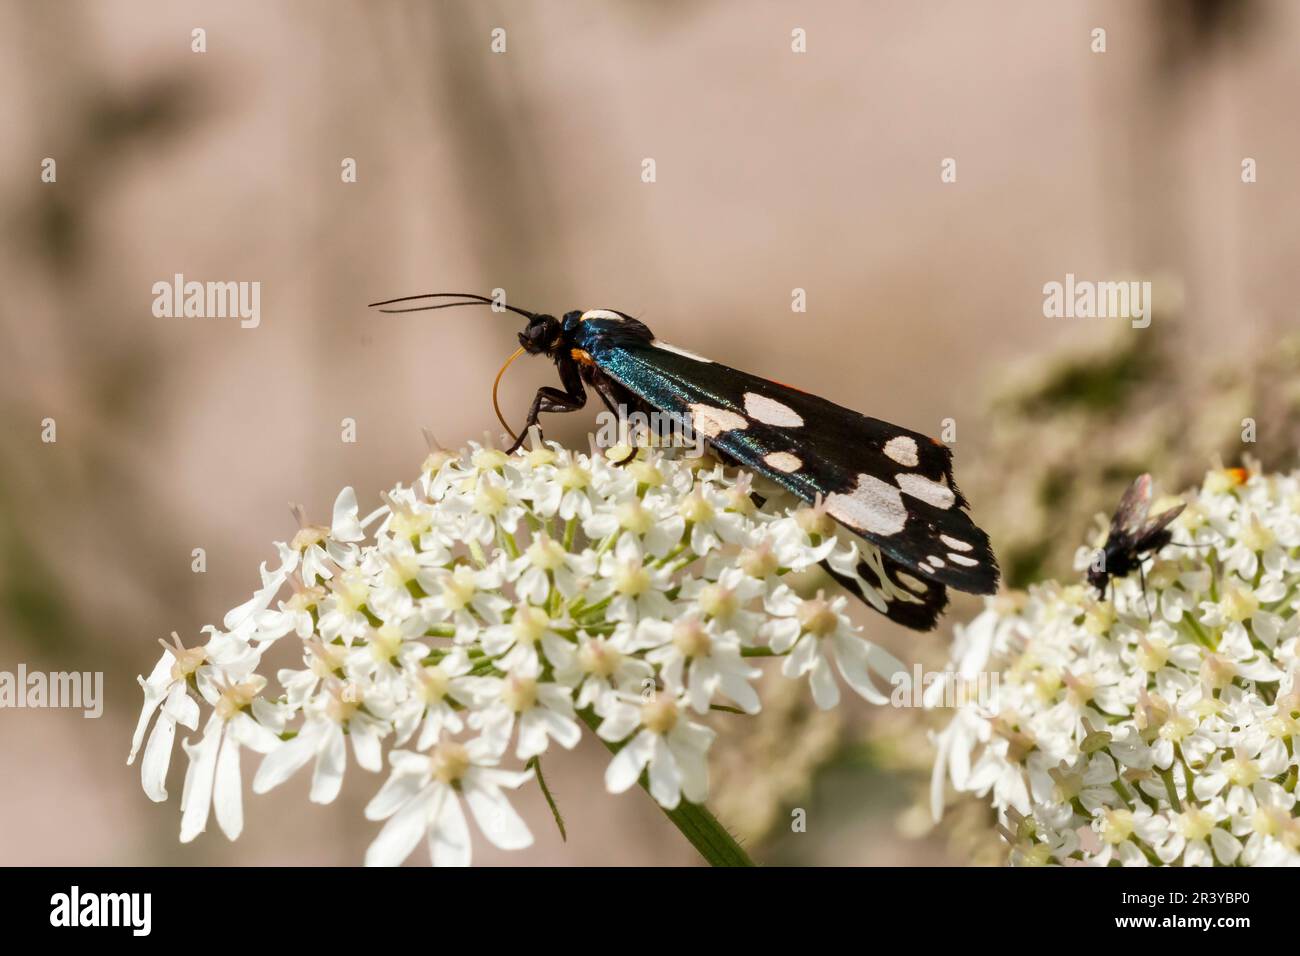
point(501, 601)
point(1168, 739)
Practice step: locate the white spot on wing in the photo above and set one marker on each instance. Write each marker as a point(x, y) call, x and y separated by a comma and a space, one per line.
point(771, 412)
point(956, 543)
point(712, 422)
point(931, 492)
point(872, 506)
point(963, 560)
point(783, 461)
point(601, 314)
point(935, 560)
point(660, 344)
point(903, 450)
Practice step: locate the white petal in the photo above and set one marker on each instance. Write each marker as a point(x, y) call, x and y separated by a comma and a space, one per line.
point(694, 770)
point(365, 744)
point(327, 778)
point(497, 818)
point(154, 691)
point(197, 798)
point(396, 792)
point(665, 779)
point(943, 742)
point(826, 692)
point(532, 734)
point(287, 759)
point(852, 656)
point(621, 720)
point(345, 526)
point(227, 799)
point(800, 660)
point(402, 832)
point(625, 769)
point(449, 833)
point(253, 735)
point(1226, 846)
point(181, 707)
point(563, 730)
point(157, 758)
point(494, 776)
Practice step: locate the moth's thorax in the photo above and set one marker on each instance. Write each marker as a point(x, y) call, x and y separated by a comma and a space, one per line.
point(597, 328)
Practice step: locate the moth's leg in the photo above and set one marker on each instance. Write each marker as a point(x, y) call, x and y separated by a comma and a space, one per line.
point(570, 398)
point(608, 391)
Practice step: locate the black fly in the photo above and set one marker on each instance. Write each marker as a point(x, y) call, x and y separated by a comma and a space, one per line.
point(1133, 536)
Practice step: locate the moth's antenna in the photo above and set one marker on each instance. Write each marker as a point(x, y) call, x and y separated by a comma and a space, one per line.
point(473, 297)
point(496, 382)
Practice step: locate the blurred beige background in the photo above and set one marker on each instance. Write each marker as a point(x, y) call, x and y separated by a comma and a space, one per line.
point(775, 170)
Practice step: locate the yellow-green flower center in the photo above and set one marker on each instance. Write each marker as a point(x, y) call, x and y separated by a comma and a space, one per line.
point(631, 578)
point(546, 554)
point(718, 601)
point(691, 638)
point(519, 693)
point(816, 617)
point(597, 657)
point(449, 761)
point(529, 624)
point(659, 716)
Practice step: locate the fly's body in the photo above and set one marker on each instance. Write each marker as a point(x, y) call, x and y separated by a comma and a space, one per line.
point(1133, 536)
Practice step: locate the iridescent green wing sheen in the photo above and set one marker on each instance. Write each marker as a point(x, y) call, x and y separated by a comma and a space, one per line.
point(892, 486)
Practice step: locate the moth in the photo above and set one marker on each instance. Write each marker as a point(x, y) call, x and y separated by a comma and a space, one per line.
point(891, 486)
point(1133, 536)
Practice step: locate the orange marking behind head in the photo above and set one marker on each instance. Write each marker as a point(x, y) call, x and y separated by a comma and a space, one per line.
point(582, 356)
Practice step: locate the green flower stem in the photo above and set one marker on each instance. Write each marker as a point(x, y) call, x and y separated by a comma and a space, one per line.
point(696, 823)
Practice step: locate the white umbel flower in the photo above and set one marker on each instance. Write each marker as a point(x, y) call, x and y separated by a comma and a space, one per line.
point(493, 607)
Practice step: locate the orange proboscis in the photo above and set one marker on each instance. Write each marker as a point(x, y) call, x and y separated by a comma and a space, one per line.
point(496, 406)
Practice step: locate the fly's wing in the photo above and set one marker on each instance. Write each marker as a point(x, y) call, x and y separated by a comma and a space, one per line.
point(1153, 534)
point(892, 486)
point(1132, 509)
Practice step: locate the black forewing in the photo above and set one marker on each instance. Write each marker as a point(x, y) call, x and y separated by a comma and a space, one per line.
point(835, 446)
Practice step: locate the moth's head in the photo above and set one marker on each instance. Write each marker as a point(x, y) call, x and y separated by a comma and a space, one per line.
point(542, 334)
